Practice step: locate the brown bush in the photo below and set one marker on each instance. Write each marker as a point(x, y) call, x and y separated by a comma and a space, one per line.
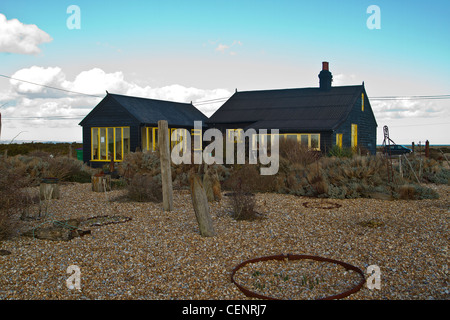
point(12, 198)
point(143, 188)
point(251, 179)
point(242, 203)
point(296, 153)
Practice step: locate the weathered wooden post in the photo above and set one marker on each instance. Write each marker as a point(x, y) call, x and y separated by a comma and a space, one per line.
point(201, 206)
point(101, 182)
point(165, 159)
point(427, 149)
point(49, 189)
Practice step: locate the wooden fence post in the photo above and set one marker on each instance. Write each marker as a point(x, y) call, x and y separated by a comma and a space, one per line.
point(166, 173)
point(201, 206)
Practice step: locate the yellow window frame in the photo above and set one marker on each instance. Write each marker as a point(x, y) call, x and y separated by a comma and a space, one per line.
point(107, 138)
point(362, 101)
point(195, 133)
point(354, 135)
point(285, 136)
point(237, 138)
point(339, 139)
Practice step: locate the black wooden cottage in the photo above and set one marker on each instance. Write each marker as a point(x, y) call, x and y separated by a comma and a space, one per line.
point(120, 124)
point(319, 118)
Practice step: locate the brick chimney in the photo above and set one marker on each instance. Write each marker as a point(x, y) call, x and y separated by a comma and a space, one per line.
point(325, 77)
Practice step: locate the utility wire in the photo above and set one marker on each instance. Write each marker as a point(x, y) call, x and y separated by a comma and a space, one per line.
point(434, 97)
point(217, 100)
point(50, 87)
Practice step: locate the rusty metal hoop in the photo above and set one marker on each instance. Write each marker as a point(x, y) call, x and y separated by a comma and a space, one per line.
point(332, 205)
point(291, 257)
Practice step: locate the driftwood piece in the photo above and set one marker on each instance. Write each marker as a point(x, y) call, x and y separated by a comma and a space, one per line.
point(201, 207)
point(165, 159)
point(58, 231)
point(100, 183)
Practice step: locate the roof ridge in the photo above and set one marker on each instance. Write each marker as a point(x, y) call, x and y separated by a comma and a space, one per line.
point(145, 98)
point(288, 89)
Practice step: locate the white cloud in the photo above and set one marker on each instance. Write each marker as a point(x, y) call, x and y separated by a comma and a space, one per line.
point(16, 37)
point(222, 47)
point(39, 104)
point(406, 109)
point(343, 79)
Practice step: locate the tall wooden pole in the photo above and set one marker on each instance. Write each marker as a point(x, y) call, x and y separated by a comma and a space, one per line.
point(166, 173)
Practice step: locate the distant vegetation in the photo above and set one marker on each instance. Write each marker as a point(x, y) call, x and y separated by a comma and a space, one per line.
point(56, 149)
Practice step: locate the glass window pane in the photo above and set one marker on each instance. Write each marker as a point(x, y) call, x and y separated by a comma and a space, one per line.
point(110, 139)
point(95, 154)
point(197, 139)
point(126, 140)
point(144, 139)
point(118, 151)
point(314, 141)
point(102, 143)
point(155, 139)
point(304, 140)
point(291, 137)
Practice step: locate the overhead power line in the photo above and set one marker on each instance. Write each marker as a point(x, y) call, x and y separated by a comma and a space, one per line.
point(434, 97)
point(217, 100)
point(50, 87)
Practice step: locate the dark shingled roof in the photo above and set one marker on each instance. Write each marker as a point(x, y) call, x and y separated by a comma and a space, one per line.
point(150, 111)
point(308, 109)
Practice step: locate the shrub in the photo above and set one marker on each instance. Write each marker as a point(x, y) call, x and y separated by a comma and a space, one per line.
point(12, 197)
point(296, 153)
point(340, 152)
point(243, 203)
point(416, 192)
point(34, 168)
point(143, 188)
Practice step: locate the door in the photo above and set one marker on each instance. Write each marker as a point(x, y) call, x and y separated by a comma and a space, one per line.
point(339, 140)
point(354, 136)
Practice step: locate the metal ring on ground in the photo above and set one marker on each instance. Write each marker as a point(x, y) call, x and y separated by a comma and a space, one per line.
point(332, 205)
point(288, 256)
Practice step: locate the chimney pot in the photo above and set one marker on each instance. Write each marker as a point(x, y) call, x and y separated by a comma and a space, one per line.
point(325, 77)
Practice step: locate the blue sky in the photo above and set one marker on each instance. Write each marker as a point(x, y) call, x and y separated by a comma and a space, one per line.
point(200, 50)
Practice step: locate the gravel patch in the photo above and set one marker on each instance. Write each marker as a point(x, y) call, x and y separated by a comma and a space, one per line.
point(160, 255)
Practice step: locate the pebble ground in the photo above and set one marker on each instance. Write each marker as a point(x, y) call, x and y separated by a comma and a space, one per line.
point(160, 255)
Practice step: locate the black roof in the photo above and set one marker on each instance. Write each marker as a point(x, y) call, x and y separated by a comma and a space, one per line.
point(150, 111)
point(308, 109)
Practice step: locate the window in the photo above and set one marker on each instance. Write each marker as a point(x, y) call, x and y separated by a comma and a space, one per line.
point(362, 102)
point(196, 139)
point(235, 135)
point(150, 138)
point(339, 139)
point(354, 136)
point(308, 140)
point(109, 143)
